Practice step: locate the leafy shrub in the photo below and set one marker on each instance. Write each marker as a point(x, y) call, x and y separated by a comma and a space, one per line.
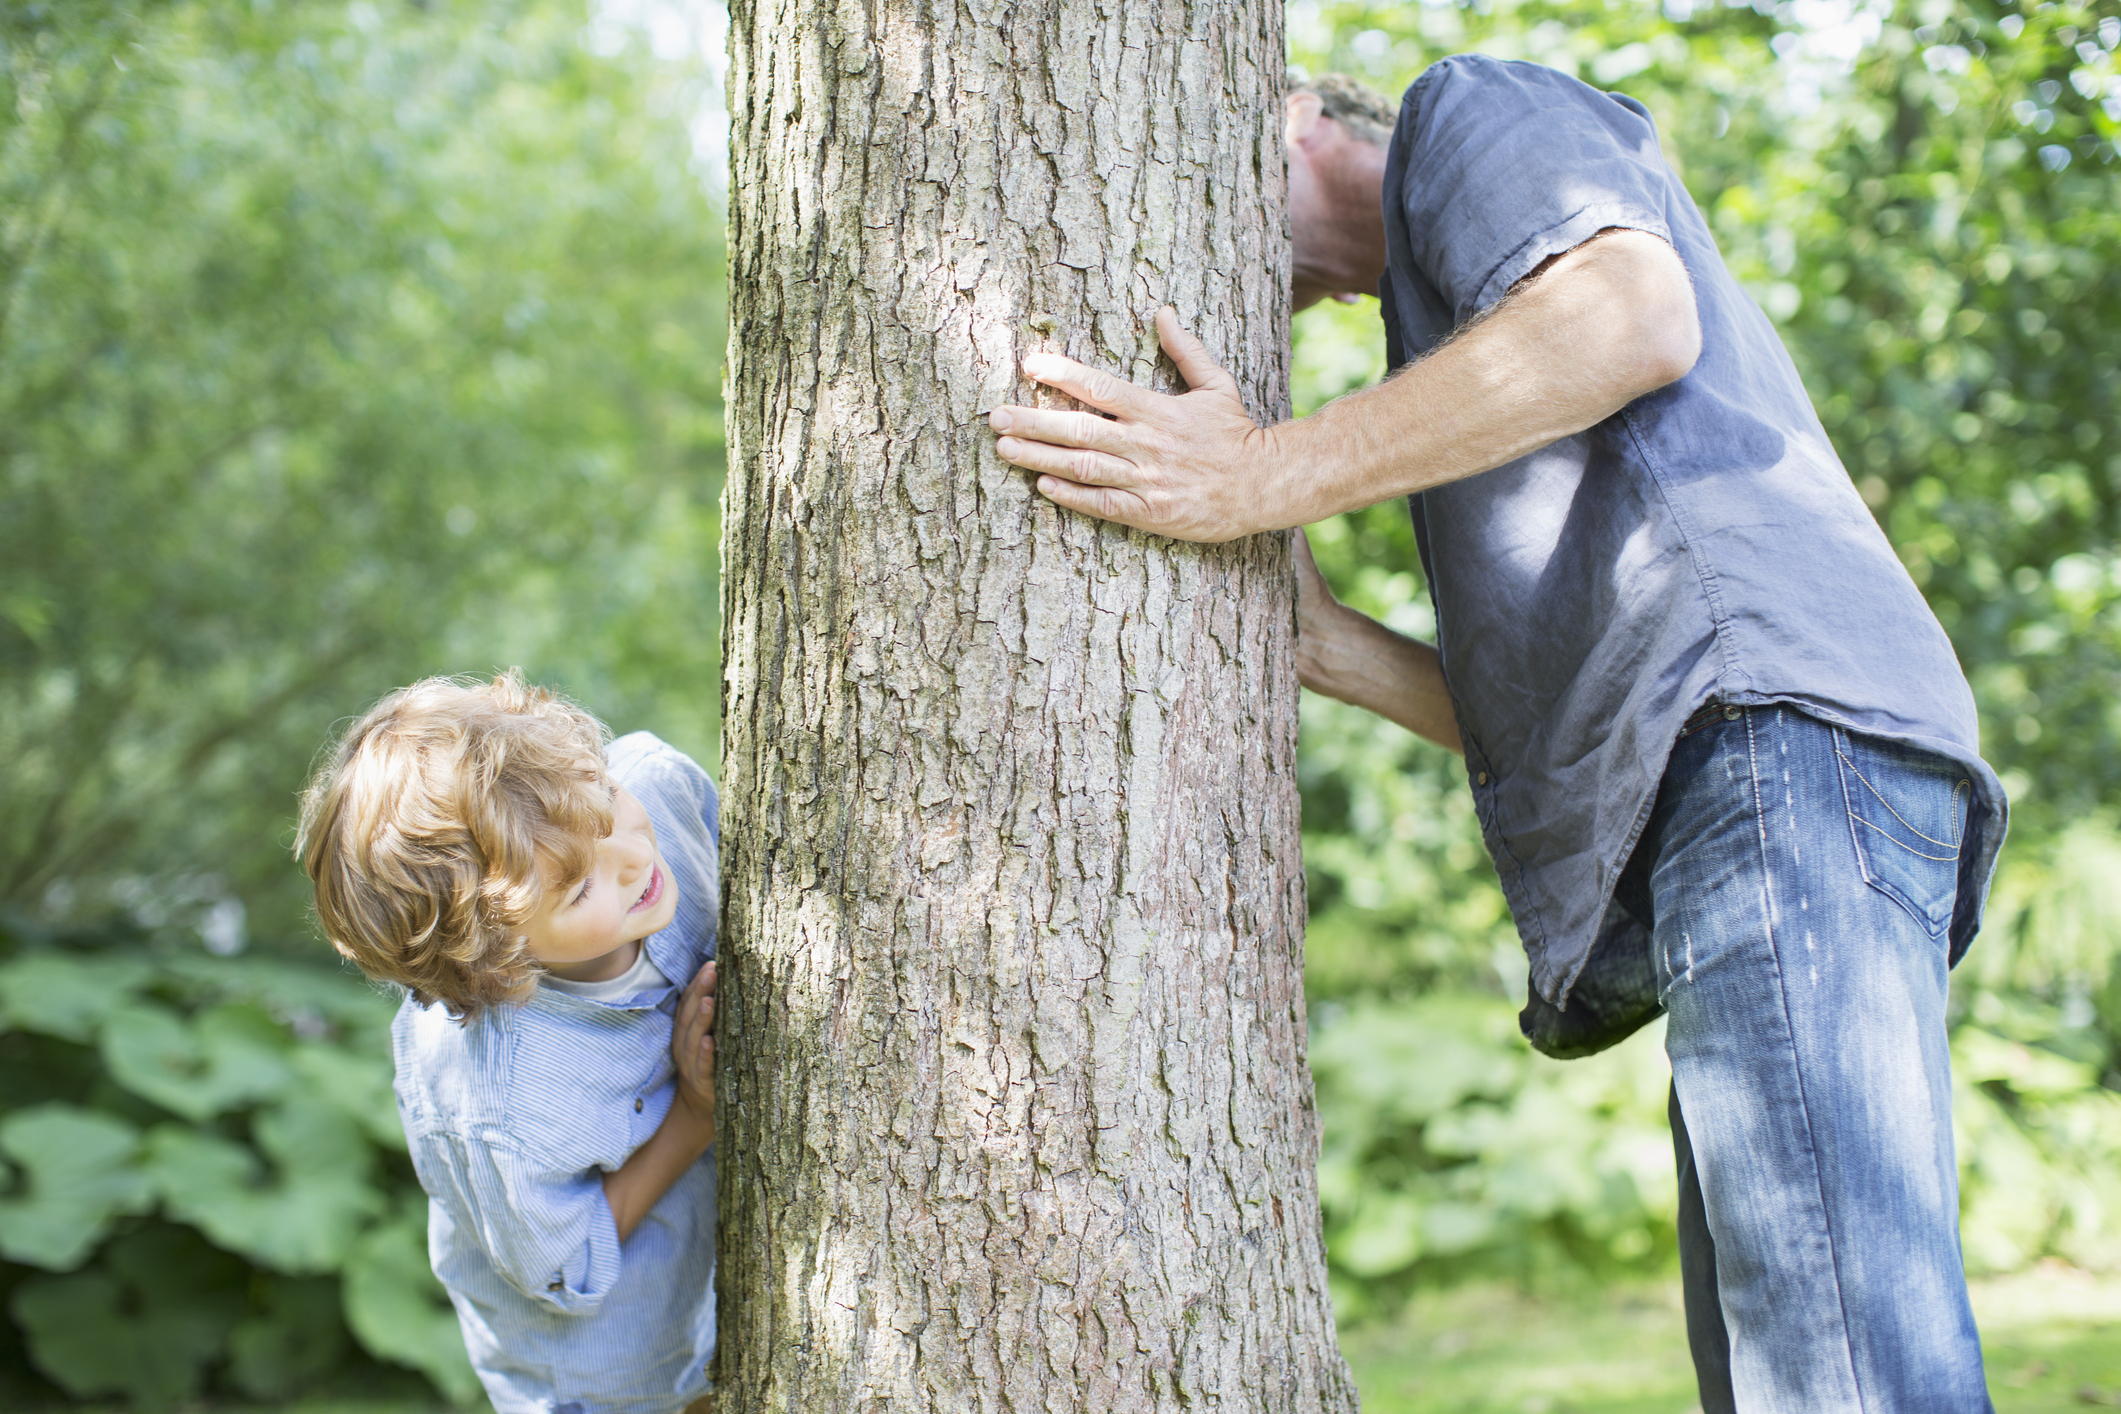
point(205, 1174)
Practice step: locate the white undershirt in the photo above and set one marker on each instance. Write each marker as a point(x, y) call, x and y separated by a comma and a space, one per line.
point(643, 976)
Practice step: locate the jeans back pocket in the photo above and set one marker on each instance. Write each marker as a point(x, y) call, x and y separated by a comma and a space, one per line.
point(1907, 810)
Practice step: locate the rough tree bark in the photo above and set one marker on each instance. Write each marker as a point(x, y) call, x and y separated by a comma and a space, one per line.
point(1017, 1114)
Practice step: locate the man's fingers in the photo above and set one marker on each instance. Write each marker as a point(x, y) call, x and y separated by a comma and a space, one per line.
point(1062, 429)
point(1090, 386)
point(1300, 552)
point(1199, 369)
point(1312, 591)
point(1103, 502)
point(1075, 464)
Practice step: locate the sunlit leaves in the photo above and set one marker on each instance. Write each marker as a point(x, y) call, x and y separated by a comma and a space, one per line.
point(247, 1101)
point(79, 1170)
point(396, 1306)
point(341, 344)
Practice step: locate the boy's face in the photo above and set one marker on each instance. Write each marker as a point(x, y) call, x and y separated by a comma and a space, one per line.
point(582, 929)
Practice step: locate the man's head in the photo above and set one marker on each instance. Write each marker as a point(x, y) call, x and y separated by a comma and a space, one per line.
point(450, 828)
point(1338, 134)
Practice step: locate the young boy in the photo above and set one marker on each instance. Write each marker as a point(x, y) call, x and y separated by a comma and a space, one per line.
point(541, 899)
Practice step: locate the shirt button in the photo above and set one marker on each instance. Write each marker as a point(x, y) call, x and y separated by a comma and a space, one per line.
point(637, 1104)
point(1481, 779)
point(557, 1286)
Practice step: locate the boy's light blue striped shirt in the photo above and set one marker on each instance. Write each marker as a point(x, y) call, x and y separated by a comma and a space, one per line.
point(513, 1121)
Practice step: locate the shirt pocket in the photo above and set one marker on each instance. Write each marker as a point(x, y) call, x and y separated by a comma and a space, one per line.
point(1907, 811)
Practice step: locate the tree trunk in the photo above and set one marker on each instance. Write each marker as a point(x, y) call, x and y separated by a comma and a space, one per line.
point(1017, 1113)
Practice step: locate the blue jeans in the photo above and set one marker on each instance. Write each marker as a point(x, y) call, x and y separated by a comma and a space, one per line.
point(1796, 883)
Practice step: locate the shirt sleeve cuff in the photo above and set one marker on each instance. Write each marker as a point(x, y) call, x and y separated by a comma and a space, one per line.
point(1558, 239)
point(591, 1272)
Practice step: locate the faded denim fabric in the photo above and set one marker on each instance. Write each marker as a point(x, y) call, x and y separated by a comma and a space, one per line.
point(1794, 889)
point(1702, 544)
point(513, 1121)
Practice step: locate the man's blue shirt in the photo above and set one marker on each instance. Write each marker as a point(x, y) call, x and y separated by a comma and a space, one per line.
point(1702, 544)
point(513, 1121)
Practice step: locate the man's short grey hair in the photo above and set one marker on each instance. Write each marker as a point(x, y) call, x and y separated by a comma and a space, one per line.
point(1362, 110)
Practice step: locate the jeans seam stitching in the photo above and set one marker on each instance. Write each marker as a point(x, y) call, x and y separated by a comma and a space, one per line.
point(1884, 887)
point(1833, 1246)
point(1880, 795)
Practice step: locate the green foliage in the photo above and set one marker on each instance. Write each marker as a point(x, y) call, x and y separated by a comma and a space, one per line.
point(340, 344)
point(80, 1170)
point(213, 1178)
point(398, 1309)
point(1925, 197)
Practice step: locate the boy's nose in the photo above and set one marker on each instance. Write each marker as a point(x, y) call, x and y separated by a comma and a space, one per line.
point(636, 857)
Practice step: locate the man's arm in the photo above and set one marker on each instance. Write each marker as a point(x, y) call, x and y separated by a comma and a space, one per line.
point(1347, 655)
point(640, 1183)
point(1573, 343)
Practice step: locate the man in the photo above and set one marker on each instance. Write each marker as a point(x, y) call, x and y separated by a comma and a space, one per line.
point(1724, 758)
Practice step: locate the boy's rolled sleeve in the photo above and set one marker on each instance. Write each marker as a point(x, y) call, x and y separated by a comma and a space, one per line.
point(550, 1235)
point(1503, 165)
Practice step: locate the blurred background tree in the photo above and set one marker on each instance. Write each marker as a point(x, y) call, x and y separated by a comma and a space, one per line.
point(343, 343)
point(340, 344)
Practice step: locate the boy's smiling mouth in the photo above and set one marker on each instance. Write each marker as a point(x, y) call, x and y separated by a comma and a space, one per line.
point(652, 893)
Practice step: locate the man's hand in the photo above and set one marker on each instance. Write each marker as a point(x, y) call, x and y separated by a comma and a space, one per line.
point(1576, 341)
point(1193, 467)
point(1345, 654)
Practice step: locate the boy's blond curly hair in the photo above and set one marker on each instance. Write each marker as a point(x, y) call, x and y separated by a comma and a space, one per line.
point(427, 832)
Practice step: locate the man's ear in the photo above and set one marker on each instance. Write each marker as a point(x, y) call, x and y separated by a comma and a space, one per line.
point(1303, 113)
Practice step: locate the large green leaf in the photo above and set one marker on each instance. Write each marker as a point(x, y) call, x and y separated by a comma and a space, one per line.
point(399, 1311)
point(81, 1170)
point(219, 1060)
point(309, 997)
point(299, 1336)
point(144, 1324)
point(67, 995)
point(357, 1083)
point(302, 1217)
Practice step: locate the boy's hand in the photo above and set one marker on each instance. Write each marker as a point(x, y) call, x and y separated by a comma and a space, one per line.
point(687, 1129)
point(692, 1047)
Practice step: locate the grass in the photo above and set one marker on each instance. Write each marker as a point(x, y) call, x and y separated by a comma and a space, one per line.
point(2051, 1335)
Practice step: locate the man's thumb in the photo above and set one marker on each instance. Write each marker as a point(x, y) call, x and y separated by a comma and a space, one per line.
point(1190, 354)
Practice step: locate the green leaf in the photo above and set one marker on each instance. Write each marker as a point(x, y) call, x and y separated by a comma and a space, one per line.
point(144, 1324)
point(1384, 1237)
point(397, 1309)
point(335, 995)
point(1413, 1060)
point(301, 1219)
point(222, 1059)
point(1980, 1056)
point(357, 1083)
point(58, 994)
point(300, 1337)
point(82, 1171)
